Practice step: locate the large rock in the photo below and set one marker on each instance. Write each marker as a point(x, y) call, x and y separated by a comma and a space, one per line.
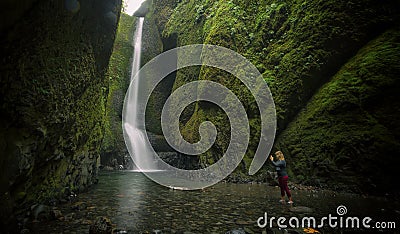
point(143, 9)
point(350, 123)
point(54, 55)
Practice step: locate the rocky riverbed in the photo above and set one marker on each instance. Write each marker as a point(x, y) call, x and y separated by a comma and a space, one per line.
point(128, 202)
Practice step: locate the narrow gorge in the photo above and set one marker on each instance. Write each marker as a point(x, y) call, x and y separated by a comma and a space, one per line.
point(332, 68)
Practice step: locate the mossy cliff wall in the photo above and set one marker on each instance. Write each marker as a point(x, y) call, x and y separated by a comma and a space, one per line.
point(114, 152)
point(153, 46)
point(348, 133)
point(300, 46)
point(54, 56)
point(113, 149)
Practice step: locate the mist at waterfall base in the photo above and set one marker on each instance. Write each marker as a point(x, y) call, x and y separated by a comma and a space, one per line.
point(140, 148)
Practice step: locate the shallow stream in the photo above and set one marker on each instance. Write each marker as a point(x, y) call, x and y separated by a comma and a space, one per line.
point(135, 204)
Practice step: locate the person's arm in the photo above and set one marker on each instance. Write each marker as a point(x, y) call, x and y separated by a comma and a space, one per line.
point(278, 163)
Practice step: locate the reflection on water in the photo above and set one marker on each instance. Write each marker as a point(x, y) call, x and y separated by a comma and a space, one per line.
point(136, 204)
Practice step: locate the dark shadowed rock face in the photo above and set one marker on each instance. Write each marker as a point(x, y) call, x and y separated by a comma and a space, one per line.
point(53, 58)
point(143, 9)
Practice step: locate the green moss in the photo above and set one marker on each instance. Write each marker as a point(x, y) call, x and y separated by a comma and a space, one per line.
point(53, 102)
point(297, 45)
point(151, 47)
point(161, 11)
point(300, 44)
point(118, 75)
point(344, 136)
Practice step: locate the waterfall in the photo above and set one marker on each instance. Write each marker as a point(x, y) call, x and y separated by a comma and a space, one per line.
point(137, 143)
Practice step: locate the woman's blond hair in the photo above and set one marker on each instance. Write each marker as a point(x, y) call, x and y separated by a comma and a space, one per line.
point(279, 154)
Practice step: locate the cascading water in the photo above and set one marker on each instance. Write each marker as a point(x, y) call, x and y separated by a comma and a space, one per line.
point(137, 143)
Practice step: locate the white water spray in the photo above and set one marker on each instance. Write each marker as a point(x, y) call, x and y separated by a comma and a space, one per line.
point(134, 112)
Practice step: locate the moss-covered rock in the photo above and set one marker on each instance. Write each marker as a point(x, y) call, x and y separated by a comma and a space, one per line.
point(53, 91)
point(161, 11)
point(298, 46)
point(348, 134)
point(143, 9)
point(152, 46)
point(113, 145)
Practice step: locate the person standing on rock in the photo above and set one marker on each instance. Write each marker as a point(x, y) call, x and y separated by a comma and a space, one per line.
point(280, 166)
